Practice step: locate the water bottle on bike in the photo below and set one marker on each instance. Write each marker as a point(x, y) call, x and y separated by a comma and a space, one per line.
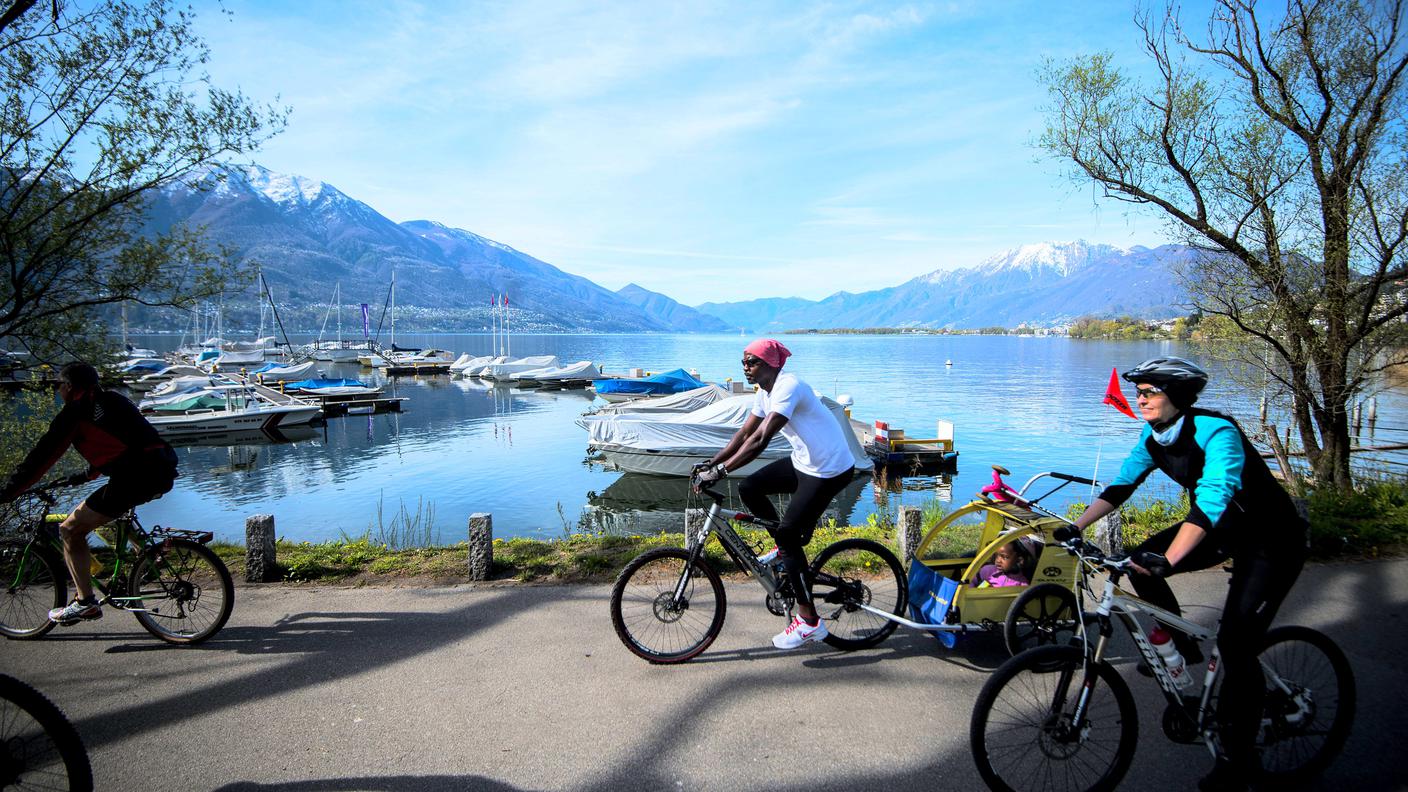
point(1173, 661)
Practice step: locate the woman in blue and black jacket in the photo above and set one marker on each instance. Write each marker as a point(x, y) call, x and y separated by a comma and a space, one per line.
point(1238, 511)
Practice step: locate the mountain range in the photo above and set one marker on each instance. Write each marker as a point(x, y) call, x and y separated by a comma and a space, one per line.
point(306, 236)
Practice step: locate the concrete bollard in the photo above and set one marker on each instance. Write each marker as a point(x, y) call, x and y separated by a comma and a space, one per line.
point(694, 519)
point(481, 545)
point(909, 531)
point(1109, 532)
point(260, 560)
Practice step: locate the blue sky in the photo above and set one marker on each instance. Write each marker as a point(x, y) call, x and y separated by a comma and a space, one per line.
point(712, 151)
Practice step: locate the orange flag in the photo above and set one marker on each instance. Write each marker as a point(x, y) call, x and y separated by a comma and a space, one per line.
point(1115, 398)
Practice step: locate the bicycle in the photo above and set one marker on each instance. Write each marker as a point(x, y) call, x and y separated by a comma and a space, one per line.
point(39, 748)
point(662, 613)
point(1063, 717)
point(178, 589)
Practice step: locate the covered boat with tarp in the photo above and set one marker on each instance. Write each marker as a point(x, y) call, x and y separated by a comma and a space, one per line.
point(662, 384)
point(669, 444)
point(332, 387)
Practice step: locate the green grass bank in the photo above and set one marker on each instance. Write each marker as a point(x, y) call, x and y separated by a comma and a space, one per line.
point(1368, 523)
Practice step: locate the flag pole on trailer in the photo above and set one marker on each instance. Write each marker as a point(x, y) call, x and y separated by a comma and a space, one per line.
point(1114, 396)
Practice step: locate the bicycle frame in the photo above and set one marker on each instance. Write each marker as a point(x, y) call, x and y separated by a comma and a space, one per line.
point(130, 542)
point(718, 521)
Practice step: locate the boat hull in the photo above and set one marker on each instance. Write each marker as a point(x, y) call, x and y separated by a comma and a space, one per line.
point(673, 461)
point(263, 418)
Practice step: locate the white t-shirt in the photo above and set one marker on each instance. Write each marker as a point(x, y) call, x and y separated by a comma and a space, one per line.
point(818, 447)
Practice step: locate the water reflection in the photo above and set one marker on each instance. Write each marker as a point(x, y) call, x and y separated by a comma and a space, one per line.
point(637, 504)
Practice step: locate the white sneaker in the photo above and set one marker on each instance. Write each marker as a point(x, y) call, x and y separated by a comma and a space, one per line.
point(798, 633)
point(769, 556)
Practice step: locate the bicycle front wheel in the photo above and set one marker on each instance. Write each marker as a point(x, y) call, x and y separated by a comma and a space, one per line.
point(181, 592)
point(855, 572)
point(1309, 704)
point(34, 580)
point(656, 624)
point(1028, 731)
point(39, 748)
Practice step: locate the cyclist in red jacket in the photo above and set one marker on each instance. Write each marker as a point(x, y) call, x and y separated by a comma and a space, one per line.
point(111, 434)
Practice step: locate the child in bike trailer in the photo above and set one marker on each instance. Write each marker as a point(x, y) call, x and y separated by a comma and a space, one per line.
point(110, 433)
point(1012, 565)
point(819, 467)
point(1238, 511)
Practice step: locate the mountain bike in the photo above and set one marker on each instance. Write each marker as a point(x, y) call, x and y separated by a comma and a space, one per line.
point(39, 748)
point(178, 589)
point(1061, 717)
point(668, 604)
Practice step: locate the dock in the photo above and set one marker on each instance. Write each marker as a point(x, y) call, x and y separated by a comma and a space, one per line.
point(334, 405)
point(890, 447)
point(420, 367)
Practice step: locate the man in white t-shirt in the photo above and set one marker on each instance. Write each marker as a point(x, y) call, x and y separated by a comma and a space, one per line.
point(820, 467)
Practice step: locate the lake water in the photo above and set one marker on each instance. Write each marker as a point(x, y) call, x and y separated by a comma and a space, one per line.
point(1029, 403)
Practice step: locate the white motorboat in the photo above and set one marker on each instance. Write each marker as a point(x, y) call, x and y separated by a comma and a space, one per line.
point(154, 380)
point(275, 374)
point(683, 402)
point(503, 371)
point(669, 444)
point(244, 407)
point(466, 363)
point(581, 372)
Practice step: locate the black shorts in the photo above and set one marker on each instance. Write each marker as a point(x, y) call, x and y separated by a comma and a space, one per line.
point(137, 483)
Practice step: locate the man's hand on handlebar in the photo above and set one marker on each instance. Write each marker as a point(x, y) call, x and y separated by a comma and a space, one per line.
point(710, 475)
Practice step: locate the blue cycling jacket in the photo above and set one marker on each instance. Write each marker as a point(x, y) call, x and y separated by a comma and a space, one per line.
point(1226, 478)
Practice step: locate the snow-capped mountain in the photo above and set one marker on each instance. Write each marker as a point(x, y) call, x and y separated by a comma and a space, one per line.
point(1045, 284)
point(307, 235)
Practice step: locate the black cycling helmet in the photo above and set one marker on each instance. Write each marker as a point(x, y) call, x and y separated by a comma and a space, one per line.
point(1180, 379)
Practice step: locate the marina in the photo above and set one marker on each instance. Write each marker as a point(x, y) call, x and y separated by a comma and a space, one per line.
point(462, 445)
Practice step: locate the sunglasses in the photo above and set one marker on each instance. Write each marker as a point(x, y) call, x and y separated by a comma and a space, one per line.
point(749, 362)
point(1147, 393)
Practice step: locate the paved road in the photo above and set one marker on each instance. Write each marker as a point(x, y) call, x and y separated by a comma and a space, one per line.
point(527, 688)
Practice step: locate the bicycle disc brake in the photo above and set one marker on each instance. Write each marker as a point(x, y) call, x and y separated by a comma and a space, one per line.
point(1178, 722)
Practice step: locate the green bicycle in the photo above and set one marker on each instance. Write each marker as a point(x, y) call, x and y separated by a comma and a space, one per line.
point(178, 589)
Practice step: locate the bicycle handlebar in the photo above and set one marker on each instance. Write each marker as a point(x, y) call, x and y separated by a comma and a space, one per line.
point(1073, 479)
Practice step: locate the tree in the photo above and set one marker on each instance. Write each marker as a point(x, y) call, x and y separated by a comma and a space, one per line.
point(1276, 143)
point(100, 105)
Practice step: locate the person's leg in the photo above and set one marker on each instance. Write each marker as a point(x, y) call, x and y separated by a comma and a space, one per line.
point(1259, 584)
point(808, 503)
point(774, 478)
point(74, 530)
point(1156, 590)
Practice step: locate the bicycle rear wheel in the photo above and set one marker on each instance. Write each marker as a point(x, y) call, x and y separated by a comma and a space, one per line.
point(1309, 704)
point(651, 621)
point(32, 580)
point(851, 573)
point(39, 748)
point(1024, 734)
point(181, 591)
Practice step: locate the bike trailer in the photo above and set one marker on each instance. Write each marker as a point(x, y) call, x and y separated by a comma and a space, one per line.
point(941, 594)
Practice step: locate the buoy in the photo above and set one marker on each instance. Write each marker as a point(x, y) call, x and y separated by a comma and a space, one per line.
point(948, 362)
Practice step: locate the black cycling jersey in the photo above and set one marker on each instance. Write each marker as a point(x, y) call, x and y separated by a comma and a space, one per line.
point(107, 429)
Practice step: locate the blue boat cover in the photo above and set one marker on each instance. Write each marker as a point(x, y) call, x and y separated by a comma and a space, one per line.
point(663, 384)
point(324, 383)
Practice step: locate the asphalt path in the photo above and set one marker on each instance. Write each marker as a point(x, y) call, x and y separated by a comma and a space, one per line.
point(517, 687)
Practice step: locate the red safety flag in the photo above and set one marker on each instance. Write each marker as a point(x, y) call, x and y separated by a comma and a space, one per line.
point(1115, 398)
point(505, 300)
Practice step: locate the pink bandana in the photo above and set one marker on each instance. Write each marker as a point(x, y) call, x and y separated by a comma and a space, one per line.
point(772, 353)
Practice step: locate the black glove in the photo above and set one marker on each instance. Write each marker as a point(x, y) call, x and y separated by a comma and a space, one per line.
point(1066, 533)
point(709, 475)
point(1156, 563)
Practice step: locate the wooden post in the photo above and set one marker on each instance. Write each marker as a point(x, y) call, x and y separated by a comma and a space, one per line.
point(481, 545)
point(1109, 532)
point(260, 561)
point(909, 531)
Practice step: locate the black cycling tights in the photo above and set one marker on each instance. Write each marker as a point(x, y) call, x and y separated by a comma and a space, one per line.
point(810, 497)
point(1261, 578)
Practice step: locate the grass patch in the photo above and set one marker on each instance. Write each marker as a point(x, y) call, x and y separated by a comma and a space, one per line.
point(1370, 521)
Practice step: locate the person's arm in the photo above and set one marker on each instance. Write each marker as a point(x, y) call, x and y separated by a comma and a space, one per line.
point(45, 453)
point(1094, 512)
point(752, 446)
point(750, 425)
